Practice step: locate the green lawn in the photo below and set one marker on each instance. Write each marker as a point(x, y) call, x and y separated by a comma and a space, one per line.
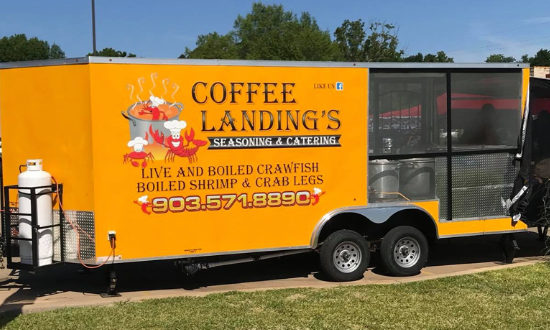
point(515, 298)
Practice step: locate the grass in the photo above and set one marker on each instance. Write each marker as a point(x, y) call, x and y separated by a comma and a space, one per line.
point(515, 298)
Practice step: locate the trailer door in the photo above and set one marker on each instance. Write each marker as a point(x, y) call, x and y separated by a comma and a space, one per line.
point(531, 196)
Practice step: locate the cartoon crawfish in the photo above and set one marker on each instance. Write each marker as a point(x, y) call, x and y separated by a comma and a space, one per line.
point(317, 193)
point(138, 154)
point(175, 143)
point(152, 108)
point(144, 204)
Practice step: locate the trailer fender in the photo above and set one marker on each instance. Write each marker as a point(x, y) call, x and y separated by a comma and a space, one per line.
point(374, 215)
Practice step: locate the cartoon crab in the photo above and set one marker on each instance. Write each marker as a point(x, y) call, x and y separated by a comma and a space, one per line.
point(138, 154)
point(175, 143)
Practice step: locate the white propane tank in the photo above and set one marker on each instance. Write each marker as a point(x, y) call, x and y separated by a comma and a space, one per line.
point(34, 176)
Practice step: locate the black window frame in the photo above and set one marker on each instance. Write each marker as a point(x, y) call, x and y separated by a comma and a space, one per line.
point(449, 153)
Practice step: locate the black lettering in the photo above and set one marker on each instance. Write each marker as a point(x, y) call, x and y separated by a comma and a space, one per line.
point(320, 179)
point(289, 92)
point(250, 91)
point(251, 123)
point(227, 120)
point(235, 91)
point(213, 92)
point(307, 119)
point(204, 129)
point(293, 120)
point(268, 92)
point(194, 92)
point(333, 119)
point(270, 115)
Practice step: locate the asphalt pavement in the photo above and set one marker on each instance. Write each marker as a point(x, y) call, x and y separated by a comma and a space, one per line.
point(69, 285)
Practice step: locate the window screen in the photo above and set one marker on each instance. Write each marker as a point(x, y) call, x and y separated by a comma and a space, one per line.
point(407, 113)
point(486, 110)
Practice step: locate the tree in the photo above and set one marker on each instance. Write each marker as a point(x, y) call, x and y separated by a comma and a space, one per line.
point(315, 45)
point(499, 58)
point(377, 44)
point(350, 39)
point(213, 45)
point(110, 52)
point(268, 33)
point(419, 57)
point(541, 58)
point(18, 48)
point(382, 43)
point(56, 52)
point(440, 56)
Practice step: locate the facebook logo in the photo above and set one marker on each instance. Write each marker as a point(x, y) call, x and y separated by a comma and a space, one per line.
point(339, 86)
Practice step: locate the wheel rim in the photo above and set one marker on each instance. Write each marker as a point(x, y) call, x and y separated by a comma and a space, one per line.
point(347, 257)
point(406, 252)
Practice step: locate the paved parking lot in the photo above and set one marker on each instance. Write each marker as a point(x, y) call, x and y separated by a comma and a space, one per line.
point(68, 285)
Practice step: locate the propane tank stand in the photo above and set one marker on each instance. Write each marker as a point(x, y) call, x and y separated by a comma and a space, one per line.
point(10, 217)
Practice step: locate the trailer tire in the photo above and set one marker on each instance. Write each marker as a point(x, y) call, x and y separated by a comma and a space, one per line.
point(404, 251)
point(344, 256)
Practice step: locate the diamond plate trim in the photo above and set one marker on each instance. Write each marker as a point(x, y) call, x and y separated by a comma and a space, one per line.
point(85, 220)
point(441, 185)
point(479, 182)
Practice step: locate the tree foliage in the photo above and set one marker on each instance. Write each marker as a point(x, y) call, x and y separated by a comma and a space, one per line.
point(419, 57)
point(213, 45)
point(541, 58)
point(111, 52)
point(440, 56)
point(381, 44)
point(18, 48)
point(268, 33)
point(350, 39)
point(56, 52)
point(499, 58)
point(378, 43)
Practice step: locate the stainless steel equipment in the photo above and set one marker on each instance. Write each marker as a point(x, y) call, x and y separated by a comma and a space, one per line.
point(383, 178)
point(417, 178)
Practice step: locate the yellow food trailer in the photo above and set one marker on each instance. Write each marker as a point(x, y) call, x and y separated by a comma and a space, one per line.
point(207, 160)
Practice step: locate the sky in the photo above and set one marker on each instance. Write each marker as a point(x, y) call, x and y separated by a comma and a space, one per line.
point(466, 30)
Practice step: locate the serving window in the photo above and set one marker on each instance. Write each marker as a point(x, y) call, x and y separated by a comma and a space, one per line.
point(408, 112)
point(414, 117)
point(405, 113)
point(486, 110)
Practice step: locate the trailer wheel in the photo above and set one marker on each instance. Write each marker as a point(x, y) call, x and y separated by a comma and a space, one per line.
point(404, 251)
point(344, 256)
